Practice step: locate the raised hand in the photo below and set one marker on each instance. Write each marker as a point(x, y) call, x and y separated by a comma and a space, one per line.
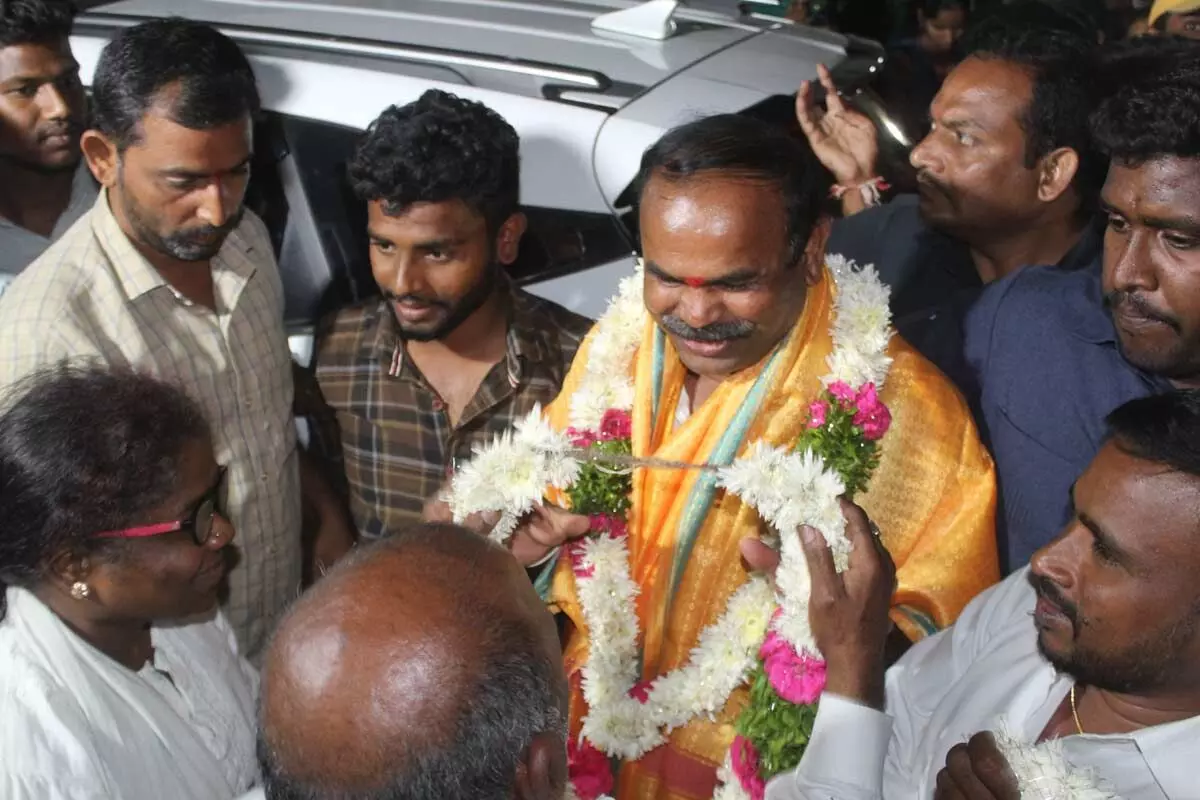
point(843, 139)
point(849, 611)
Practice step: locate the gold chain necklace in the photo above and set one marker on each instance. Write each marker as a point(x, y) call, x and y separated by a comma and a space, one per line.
point(1075, 712)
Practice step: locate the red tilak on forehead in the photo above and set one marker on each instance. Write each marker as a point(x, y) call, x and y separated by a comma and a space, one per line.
point(695, 283)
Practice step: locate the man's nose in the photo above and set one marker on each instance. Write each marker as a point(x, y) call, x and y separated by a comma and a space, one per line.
point(698, 307)
point(52, 103)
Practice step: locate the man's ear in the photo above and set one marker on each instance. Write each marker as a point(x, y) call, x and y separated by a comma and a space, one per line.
point(508, 239)
point(813, 260)
point(1058, 171)
point(542, 770)
point(102, 156)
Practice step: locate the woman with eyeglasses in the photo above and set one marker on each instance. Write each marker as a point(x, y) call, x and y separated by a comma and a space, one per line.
point(119, 679)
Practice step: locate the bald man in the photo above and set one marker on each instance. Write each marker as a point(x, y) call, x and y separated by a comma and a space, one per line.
point(448, 683)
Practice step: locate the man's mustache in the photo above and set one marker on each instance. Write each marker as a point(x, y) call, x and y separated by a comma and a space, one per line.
point(1135, 305)
point(925, 179)
point(392, 297)
point(1048, 590)
point(60, 129)
point(716, 332)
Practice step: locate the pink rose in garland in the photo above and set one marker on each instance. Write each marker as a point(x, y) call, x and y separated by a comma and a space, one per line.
point(591, 774)
point(845, 395)
point(615, 425)
point(796, 677)
point(871, 415)
point(816, 414)
point(745, 767)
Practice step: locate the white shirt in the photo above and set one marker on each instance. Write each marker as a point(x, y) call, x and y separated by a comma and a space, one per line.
point(19, 247)
point(964, 680)
point(92, 296)
point(76, 725)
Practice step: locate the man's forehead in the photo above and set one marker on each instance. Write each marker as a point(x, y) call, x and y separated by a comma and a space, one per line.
point(989, 91)
point(1146, 505)
point(35, 60)
point(448, 218)
point(175, 146)
point(1168, 184)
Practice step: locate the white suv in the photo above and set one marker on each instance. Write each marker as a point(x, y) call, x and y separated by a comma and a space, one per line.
point(585, 99)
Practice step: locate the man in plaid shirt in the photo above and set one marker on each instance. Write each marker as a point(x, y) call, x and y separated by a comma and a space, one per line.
point(452, 353)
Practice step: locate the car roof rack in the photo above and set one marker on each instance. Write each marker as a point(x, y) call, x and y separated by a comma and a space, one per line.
point(653, 19)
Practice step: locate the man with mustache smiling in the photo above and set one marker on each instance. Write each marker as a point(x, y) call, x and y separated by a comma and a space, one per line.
point(44, 186)
point(735, 341)
point(1055, 351)
point(1095, 645)
point(169, 274)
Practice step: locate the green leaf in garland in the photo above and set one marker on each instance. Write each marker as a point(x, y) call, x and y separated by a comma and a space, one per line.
point(600, 489)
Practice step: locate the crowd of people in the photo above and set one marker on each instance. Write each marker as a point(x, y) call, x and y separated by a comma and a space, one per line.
point(193, 605)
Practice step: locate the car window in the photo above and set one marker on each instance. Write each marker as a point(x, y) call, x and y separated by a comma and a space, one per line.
point(300, 188)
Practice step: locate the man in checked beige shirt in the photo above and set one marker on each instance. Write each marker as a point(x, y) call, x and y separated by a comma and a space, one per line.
point(169, 274)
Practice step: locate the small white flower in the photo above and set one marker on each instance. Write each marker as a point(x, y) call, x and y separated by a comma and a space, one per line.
point(1043, 772)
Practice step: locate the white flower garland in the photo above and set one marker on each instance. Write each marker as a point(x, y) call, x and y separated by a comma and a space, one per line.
point(1043, 772)
point(788, 490)
point(510, 475)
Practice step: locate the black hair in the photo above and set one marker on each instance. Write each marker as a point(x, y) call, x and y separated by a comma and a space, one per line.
point(1151, 104)
point(931, 8)
point(208, 78)
point(439, 148)
point(35, 21)
point(1163, 428)
point(85, 449)
point(1060, 63)
point(514, 696)
point(746, 148)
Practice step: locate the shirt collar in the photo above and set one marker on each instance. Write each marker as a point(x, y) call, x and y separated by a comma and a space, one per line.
point(525, 340)
point(138, 276)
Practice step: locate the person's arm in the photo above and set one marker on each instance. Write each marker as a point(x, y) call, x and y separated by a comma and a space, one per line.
point(333, 534)
point(862, 753)
point(844, 140)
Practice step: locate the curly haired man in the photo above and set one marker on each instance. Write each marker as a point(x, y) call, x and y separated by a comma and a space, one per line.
point(452, 352)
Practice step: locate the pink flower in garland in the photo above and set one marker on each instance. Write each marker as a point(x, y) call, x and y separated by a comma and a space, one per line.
point(816, 414)
point(612, 524)
point(744, 760)
point(582, 438)
point(615, 425)
point(641, 691)
point(871, 415)
point(796, 677)
point(589, 770)
point(842, 392)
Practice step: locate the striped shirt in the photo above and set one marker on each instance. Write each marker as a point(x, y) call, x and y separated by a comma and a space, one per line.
point(92, 296)
point(386, 429)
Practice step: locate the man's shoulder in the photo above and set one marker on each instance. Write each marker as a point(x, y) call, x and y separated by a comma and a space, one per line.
point(566, 327)
point(46, 291)
point(1036, 299)
point(341, 334)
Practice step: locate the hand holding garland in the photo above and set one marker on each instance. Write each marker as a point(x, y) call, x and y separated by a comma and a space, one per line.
point(848, 611)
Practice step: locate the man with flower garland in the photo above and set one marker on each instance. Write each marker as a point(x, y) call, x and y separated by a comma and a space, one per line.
point(735, 337)
point(1092, 651)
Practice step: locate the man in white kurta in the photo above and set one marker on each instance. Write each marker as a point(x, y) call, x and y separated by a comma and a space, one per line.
point(1093, 648)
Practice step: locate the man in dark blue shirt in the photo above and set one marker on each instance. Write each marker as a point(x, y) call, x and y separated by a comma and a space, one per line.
point(1055, 351)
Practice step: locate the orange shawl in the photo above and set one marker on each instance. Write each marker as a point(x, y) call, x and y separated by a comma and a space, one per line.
point(933, 497)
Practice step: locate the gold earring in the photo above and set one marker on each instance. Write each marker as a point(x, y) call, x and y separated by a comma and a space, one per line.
point(80, 590)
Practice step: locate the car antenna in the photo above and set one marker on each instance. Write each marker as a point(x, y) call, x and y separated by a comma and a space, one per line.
point(653, 19)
